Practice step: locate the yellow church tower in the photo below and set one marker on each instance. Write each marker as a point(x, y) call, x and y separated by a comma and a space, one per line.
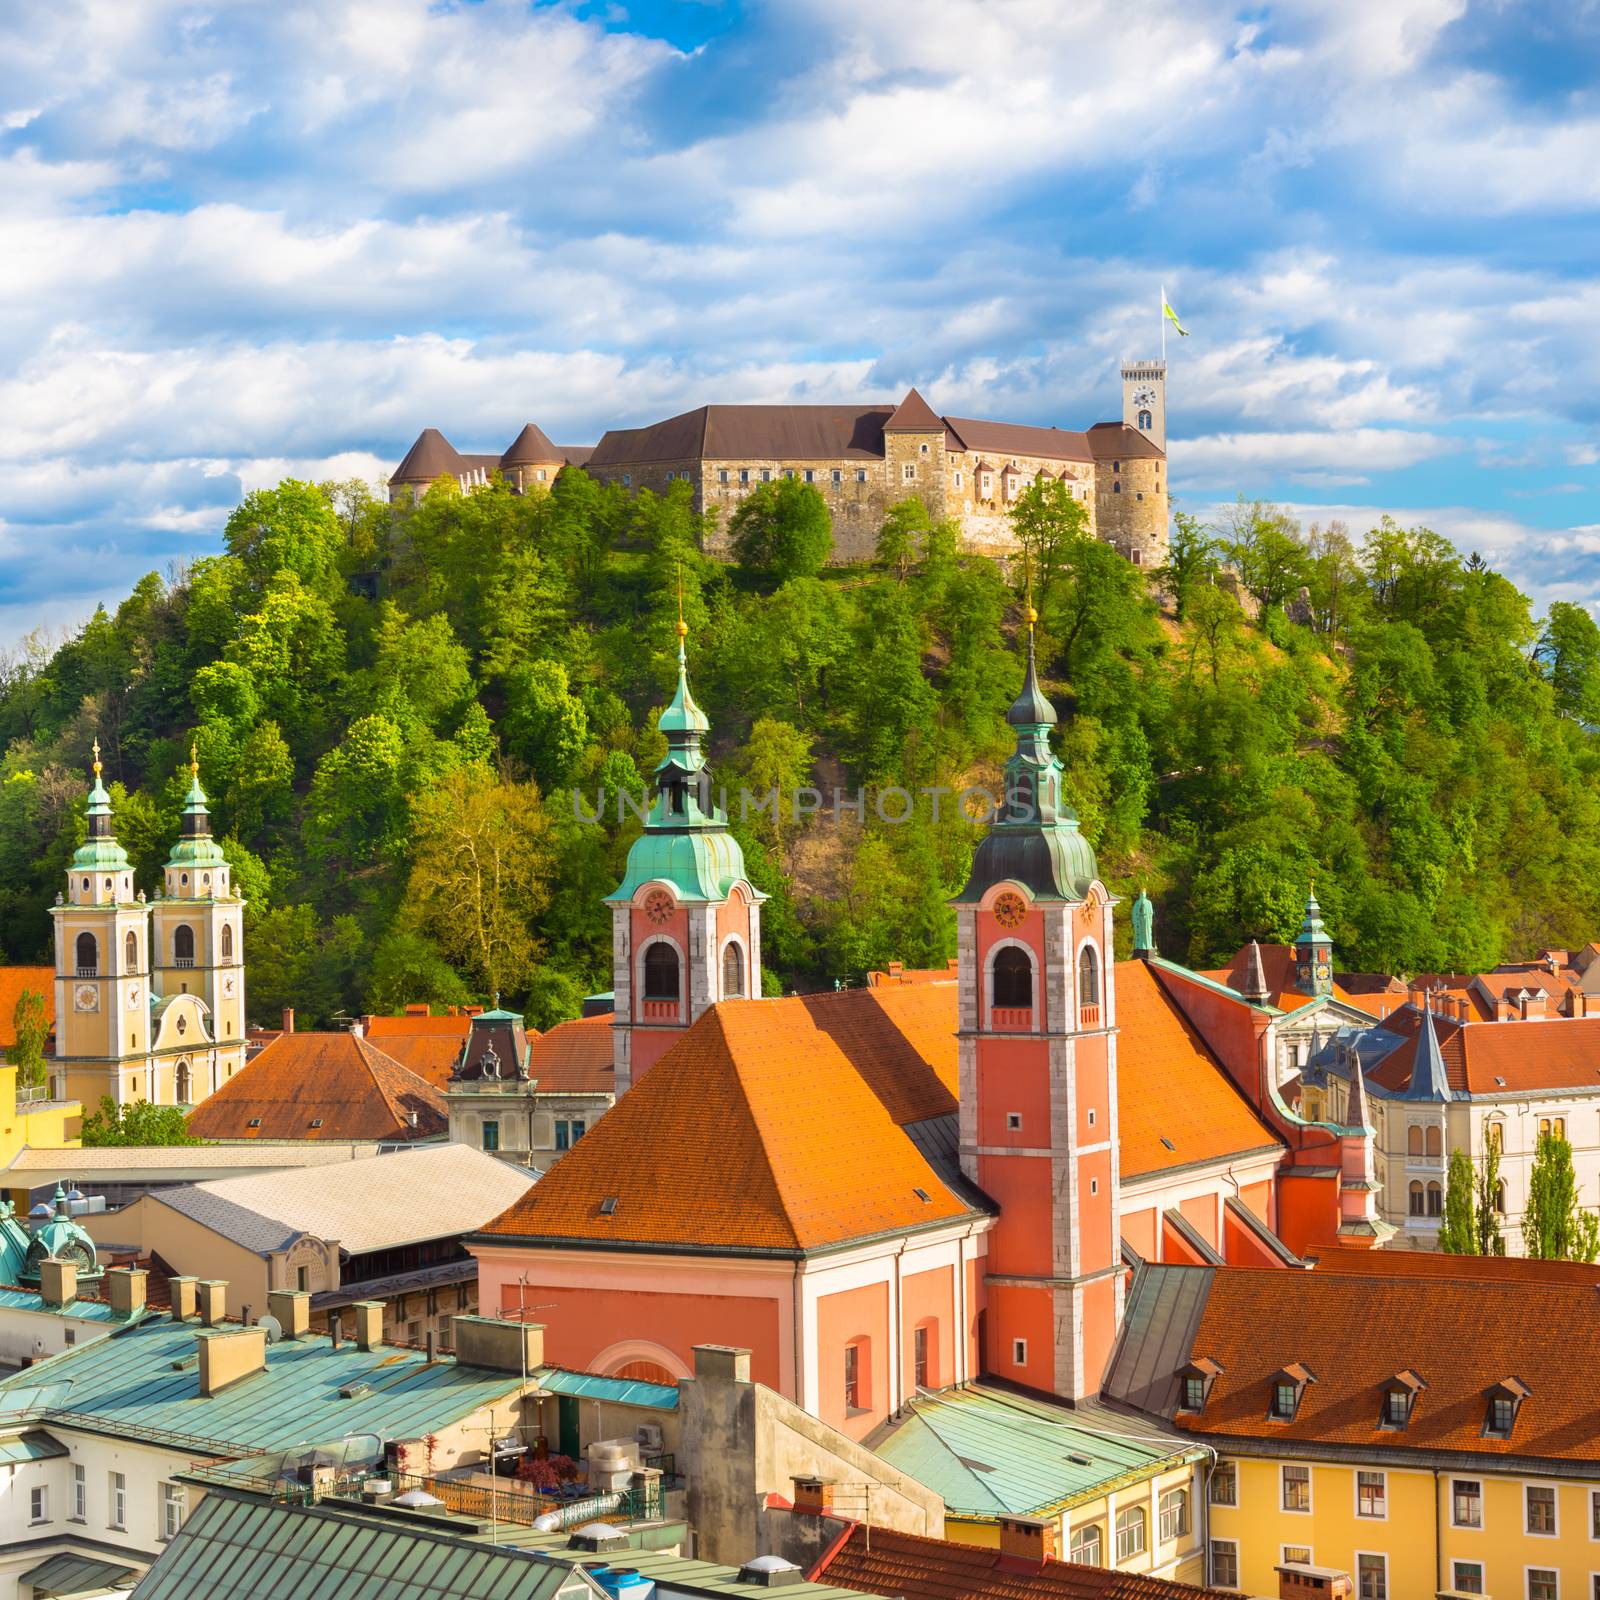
point(102, 982)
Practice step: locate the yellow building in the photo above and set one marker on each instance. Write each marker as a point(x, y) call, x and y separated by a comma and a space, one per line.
point(1427, 1424)
point(43, 1124)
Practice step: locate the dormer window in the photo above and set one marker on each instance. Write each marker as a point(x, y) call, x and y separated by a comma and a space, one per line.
point(1505, 1401)
point(1197, 1379)
point(1400, 1398)
point(1288, 1385)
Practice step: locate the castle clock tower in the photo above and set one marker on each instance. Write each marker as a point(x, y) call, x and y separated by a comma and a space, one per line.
point(102, 973)
point(685, 920)
point(1144, 400)
point(1038, 1069)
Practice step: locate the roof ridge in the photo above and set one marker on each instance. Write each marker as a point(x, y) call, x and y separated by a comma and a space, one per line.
point(384, 1067)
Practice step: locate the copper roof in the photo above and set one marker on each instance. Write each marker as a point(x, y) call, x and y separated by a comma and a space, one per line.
point(13, 980)
point(430, 458)
point(338, 1081)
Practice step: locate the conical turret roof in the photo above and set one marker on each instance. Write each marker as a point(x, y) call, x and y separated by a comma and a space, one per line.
point(431, 457)
point(532, 447)
point(1429, 1080)
point(1254, 987)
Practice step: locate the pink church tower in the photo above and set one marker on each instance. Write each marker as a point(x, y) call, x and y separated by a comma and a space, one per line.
point(685, 920)
point(1038, 1070)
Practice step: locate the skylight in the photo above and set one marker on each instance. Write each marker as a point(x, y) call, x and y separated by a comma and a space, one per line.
point(608, 1206)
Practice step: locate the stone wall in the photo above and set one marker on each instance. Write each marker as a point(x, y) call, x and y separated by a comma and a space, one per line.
point(1131, 507)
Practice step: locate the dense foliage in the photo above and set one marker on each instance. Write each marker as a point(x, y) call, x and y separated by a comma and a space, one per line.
point(391, 703)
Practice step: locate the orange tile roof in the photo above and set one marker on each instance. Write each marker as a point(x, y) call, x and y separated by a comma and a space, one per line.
point(1277, 965)
point(1461, 1332)
point(574, 1057)
point(1431, 1264)
point(412, 1025)
point(13, 980)
point(339, 1079)
point(772, 1125)
point(431, 1056)
point(1496, 1058)
point(885, 1561)
point(1170, 1087)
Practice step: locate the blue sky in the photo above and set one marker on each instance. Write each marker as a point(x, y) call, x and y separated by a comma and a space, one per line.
point(242, 240)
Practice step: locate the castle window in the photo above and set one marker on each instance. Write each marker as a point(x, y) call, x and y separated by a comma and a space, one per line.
point(1116, 466)
point(1013, 977)
point(766, 474)
point(722, 475)
point(1116, 488)
point(811, 476)
point(130, 952)
point(908, 472)
point(661, 972)
point(627, 479)
point(986, 486)
point(861, 474)
point(1139, 494)
point(1088, 977)
point(183, 945)
point(744, 474)
point(958, 480)
point(1137, 557)
point(1144, 421)
point(732, 972)
point(227, 942)
point(88, 951)
point(924, 449)
point(788, 474)
point(838, 475)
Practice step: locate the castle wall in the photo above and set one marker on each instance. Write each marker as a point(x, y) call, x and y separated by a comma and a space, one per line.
point(1131, 508)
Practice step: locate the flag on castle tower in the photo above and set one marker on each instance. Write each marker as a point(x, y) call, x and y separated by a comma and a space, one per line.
point(1171, 315)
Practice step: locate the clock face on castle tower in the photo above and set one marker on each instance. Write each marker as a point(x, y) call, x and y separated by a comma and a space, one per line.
point(1144, 397)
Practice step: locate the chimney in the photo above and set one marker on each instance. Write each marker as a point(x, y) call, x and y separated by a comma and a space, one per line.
point(185, 1297)
point(227, 1355)
point(292, 1308)
point(1027, 1539)
point(433, 1346)
point(288, 1019)
point(726, 1362)
point(359, 1028)
point(369, 1324)
point(1580, 1002)
point(813, 1497)
point(213, 1301)
point(58, 1281)
point(125, 1289)
point(498, 1345)
point(1525, 1005)
point(335, 1329)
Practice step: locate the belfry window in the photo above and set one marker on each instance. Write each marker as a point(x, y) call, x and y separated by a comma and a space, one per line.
point(183, 945)
point(1144, 421)
point(88, 953)
point(1088, 977)
point(732, 972)
point(1013, 977)
point(661, 972)
point(227, 942)
point(130, 952)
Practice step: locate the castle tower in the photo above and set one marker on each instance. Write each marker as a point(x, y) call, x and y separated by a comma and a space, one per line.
point(1313, 952)
point(1144, 400)
point(102, 984)
point(685, 920)
point(197, 944)
point(1039, 1072)
point(914, 454)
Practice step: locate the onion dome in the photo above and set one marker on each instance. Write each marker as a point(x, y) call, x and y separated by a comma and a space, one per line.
point(100, 851)
point(195, 846)
point(60, 1238)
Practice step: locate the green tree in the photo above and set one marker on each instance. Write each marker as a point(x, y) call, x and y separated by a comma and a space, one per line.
point(1263, 542)
point(1191, 564)
point(900, 538)
point(782, 529)
point(1458, 1235)
point(1048, 520)
point(1568, 653)
point(1550, 1226)
point(290, 528)
point(1491, 1240)
point(545, 724)
point(30, 1025)
point(136, 1123)
point(776, 761)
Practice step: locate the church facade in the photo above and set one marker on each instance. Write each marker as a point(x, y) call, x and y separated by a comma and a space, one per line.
point(149, 993)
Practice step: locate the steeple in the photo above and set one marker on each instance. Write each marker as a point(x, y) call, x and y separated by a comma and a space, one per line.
point(1359, 1114)
point(100, 851)
point(195, 847)
point(1429, 1081)
point(1313, 951)
point(1254, 985)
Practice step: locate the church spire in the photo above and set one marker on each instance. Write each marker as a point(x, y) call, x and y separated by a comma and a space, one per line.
point(1313, 950)
point(195, 849)
point(100, 851)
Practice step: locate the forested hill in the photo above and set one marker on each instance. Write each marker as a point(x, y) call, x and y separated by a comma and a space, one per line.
point(390, 705)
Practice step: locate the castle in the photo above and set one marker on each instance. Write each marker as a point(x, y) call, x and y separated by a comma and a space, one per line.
point(862, 459)
point(149, 994)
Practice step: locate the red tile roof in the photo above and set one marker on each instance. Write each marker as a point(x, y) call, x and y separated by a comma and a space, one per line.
point(888, 1562)
point(1496, 1058)
point(1431, 1264)
point(457, 1027)
point(1277, 964)
point(574, 1057)
point(1463, 1332)
point(431, 1056)
point(341, 1080)
point(13, 980)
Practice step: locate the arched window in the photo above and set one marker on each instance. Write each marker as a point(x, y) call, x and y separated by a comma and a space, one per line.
point(1013, 977)
point(88, 956)
point(661, 972)
point(130, 952)
point(1144, 421)
point(1116, 488)
point(1500, 1197)
point(183, 945)
point(1088, 1547)
point(1435, 1200)
point(182, 1085)
point(1494, 1136)
point(227, 942)
point(1414, 1193)
point(1435, 1141)
point(1414, 1140)
point(1088, 977)
point(732, 971)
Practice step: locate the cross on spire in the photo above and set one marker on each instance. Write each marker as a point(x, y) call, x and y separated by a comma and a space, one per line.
point(97, 767)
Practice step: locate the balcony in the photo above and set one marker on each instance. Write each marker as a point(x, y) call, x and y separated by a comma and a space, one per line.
point(89, 972)
point(1088, 1016)
point(183, 961)
point(660, 1010)
point(1012, 1019)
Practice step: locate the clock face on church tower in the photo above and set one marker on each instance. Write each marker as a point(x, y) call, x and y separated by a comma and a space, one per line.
point(86, 998)
point(658, 906)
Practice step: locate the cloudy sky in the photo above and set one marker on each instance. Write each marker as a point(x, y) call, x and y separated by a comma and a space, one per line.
point(242, 239)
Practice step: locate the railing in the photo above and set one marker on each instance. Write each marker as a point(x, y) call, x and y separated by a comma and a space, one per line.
point(89, 972)
point(183, 961)
point(513, 1500)
point(1013, 1019)
point(660, 1010)
point(1088, 1016)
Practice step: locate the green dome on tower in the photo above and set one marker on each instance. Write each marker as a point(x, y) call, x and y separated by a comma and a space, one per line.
point(100, 851)
point(195, 846)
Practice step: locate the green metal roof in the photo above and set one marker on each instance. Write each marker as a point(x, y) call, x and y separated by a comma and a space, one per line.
point(259, 1550)
point(624, 1391)
point(989, 1453)
point(30, 1447)
point(79, 1310)
point(143, 1382)
point(701, 862)
point(71, 1574)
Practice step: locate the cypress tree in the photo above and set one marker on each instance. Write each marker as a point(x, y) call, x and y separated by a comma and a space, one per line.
point(1459, 1234)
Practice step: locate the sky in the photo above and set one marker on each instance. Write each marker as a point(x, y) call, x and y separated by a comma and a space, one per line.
point(240, 241)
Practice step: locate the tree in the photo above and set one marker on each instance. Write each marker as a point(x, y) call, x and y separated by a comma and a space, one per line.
point(1568, 653)
point(291, 528)
point(1048, 520)
point(1191, 562)
point(480, 874)
point(1263, 543)
point(1458, 1236)
point(545, 724)
point(777, 760)
point(905, 525)
point(783, 530)
point(31, 1027)
point(1491, 1242)
point(1551, 1230)
point(137, 1123)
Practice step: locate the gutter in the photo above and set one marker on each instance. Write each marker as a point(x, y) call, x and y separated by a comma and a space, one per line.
point(1401, 1459)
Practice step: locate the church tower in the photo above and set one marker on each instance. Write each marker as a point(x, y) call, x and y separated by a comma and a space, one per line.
point(197, 947)
point(685, 920)
point(1313, 952)
point(102, 972)
point(1038, 1071)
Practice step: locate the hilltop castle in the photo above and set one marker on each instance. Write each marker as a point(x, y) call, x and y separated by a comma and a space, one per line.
point(862, 459)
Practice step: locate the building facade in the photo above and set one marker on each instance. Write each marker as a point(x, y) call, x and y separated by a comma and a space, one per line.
point(149, 995)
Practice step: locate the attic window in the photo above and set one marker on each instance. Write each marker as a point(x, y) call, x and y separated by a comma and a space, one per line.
point(1197, 1378)
point(608, 1206)
point(1505, 1401)
point(1288, 1385)
point(923, 1196)
point(1399, 1399)
point(1168, 1143)
point(255, 1122)
point(316, 1122)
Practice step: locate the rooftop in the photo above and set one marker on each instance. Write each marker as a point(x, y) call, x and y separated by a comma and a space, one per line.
point(13, 980)
point(1493, 1058)
point(574, 1057)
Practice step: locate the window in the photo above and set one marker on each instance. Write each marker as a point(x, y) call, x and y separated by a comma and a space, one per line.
point(1224, 1564)
point(173, 1506)
point(732, 971)
point(766, 474)
point(1500, 1197)
point(1130, 1532)
point(1116, 488)
point(88, 951)
point(919, 1356)
point(182, 1086)
point(130, 952)
point(1396, 1408)
point(302, 1279)
point(183, 945)
point(1494, 1136)
point(1296, 1488)
point(788, 474)
point(1297, 1552)
point(1435, 1142)
point(69, 1335)
point(1594, 1516)
point(1558, 1127)
point(1502, 1416)
point(1372, 1577)
point(119, 1502)
point(1468, 1577)
point(1088, 977)
point(627, 480)
point(924, 449)
point(722, 475)
point(1435, 1200)
point(987, 483)
point(80, 1493)
point(744, 474)
point(1414, 1139)
point(39, 1504)
point(661, 972)
point(1173, 1515)
point(227, 942)
point(1225, 1484)
point(1285, 1398)
point(861, 474)
point(1116, 466)
point(568, 1132)
point(1541, 1507)
point(1144, 421)
point(1013, 977)
point(811, 476)
point(908, 473)
point(491, 1135)
point(1414, 1196)
point(1088, 1545)
point(857, 1376)
point(1543, 1584)
point(958, 480)
point(1371, 1494)
point(1019, 1352)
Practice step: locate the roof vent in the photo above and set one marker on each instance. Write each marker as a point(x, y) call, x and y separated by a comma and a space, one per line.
point(416, 1500)
point(254, 1122)
point(608, 1206)
point(923, 1196)
point(598, 1536)
point(771, 1572)
point(1168, 1143)
point(316, 1122)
